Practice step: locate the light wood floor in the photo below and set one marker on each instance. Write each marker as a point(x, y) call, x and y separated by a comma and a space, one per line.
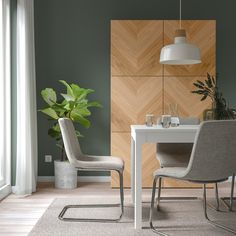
point(18, 215)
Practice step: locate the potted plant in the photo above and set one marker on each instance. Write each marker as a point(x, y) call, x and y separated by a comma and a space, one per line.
point(74, 105)
point(209, 89)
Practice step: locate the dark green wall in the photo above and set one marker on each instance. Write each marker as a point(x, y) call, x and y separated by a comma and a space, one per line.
point(73, 43)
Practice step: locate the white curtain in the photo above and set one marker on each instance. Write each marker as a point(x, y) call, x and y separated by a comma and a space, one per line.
point(26, 167)
point(5, 97)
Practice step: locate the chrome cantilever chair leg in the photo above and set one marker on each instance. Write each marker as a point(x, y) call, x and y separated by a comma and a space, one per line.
point(121, 193)
point(217, 197)
point(206, 216)
point(159, 195)
point(231, 198)
point(155, 230)
point(121, 205)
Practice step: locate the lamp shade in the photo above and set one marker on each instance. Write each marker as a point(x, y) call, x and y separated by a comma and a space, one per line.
point(181, 52)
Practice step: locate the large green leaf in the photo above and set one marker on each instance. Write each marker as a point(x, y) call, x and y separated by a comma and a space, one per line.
point(49, 96)
point(59, 109)
point(77, 117)
point(94, 104)
point(82, 110)
point(50, 112)
point(69, 89)
point(84, 93)
point(68, 97)
point(69, 106)
point(76, 90)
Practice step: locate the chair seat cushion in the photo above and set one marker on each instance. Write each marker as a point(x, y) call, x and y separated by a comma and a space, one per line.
point(100, 163)
point(174, 154)
point(175, 172)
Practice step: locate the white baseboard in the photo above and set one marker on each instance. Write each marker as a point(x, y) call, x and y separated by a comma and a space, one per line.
point(80, 179)
point(5, 191)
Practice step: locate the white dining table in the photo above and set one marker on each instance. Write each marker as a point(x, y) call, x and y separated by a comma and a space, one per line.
point(141, 134)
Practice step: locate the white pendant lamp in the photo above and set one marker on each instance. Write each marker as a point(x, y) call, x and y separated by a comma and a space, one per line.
point(181, 52)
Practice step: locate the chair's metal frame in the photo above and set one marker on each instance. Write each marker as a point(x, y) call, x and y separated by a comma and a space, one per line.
point(154, 229)
point(231, 198)
point(187, 198)
point(121, 205)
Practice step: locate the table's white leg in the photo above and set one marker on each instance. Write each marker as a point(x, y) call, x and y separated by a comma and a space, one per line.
point(138, 185)
point(132, 167)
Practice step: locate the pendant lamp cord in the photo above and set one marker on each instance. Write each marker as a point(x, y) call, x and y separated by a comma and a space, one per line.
point(180, 14)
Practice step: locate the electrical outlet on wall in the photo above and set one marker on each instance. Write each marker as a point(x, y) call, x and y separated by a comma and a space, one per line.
point(48, 158)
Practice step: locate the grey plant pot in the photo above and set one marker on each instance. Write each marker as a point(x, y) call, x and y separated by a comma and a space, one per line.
point(65, 175)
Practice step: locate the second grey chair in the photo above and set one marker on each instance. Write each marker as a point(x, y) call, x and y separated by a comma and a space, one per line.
point(212, 160)
point(89, 163)
point(178, 154)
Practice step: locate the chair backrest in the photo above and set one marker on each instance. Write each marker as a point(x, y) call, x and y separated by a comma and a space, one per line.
point(176, 154)
point(70, 140)
point(189, 121)
point(214, 151)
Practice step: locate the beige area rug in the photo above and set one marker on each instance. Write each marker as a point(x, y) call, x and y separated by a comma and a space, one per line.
point(177, 218)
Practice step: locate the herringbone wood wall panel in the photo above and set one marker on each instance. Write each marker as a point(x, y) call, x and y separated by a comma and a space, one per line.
point(135, 47)
point(178, 91)
point(199, 32)
point(121, 147)
point(140, 85)
point(132, 98)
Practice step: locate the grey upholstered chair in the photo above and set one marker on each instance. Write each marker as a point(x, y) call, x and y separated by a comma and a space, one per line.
point(89, 163)
point(178, 154)
point(212, 160)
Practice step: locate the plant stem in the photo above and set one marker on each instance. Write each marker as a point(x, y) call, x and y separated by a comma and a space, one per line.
point(62, 153)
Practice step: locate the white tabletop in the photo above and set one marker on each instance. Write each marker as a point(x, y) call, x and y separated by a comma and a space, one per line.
point(144, 128)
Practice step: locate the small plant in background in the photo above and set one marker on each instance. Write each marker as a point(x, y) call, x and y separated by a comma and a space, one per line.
point(73, 104)
point(209, 89)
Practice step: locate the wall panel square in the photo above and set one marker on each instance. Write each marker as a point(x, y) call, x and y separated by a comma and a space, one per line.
point(199, 32)
point(135, 47)
point(177, 90)
point(132, 98)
